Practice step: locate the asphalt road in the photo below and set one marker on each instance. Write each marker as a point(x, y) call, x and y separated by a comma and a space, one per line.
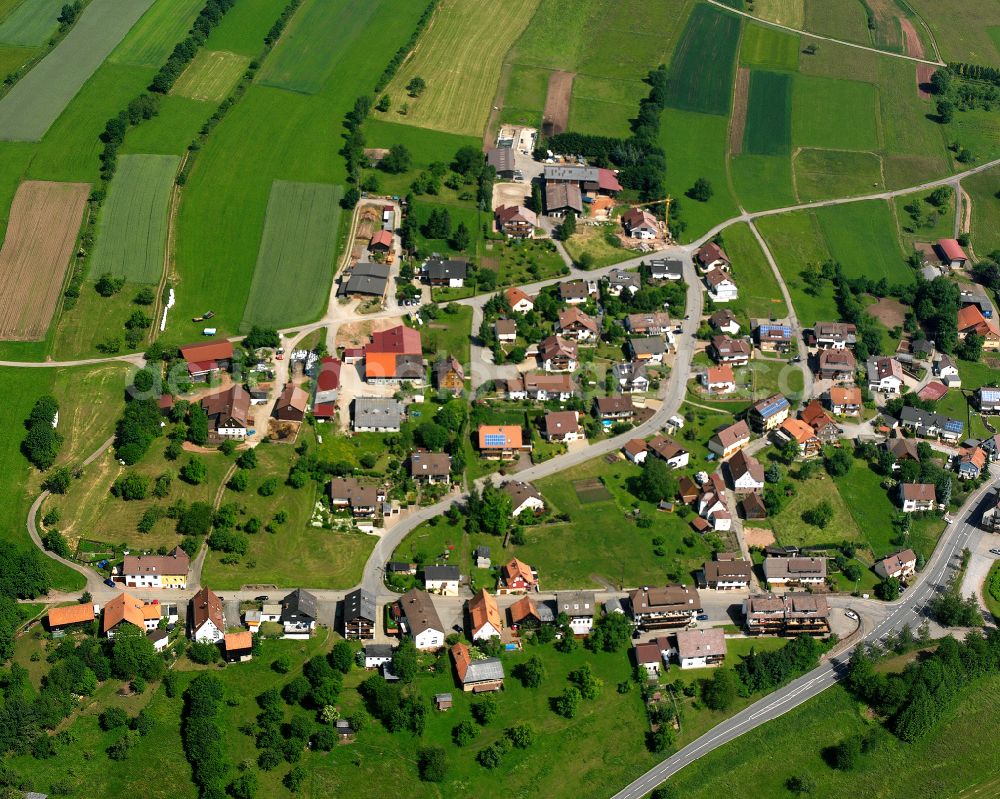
point(907, 610)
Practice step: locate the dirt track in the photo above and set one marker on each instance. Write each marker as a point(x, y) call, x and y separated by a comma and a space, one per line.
point(911, 41)
point(739, 120)
point(44, 222)
point(556, 117)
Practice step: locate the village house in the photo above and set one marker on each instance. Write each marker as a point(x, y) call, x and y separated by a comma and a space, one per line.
point(61, 618)
point(377, 655)
point(430, 467)
point(844, 401)
point(238, 647)
point(930, 424)
point(794, 572)
point(505, 330)
point(971, 320)
point(837, 365)
point(951, 253)
point(556, 354)
point(752, 507)
point(476, 675)
point(619, 281)
point(991, 446)
point(450, 272)
point(735, 352)
point(730, 439)
point(484, 616)
point(360, 615)
point(724, 321)
point(640, 224)
point(519, 301)
point(900, 565)
point(579, 606)
point(663, 608)
point(449, 375)
point(698, 649)
point(687, 490)
point(516, 221)
point(635, 450)
point(205, 360)
point(970, 463)
point(576, 325)
point(381, 242)
point(481, 556)
point(773, 337)
point(349, 493)
point(988, 399)
point(562, 199)
point(394, 356)
point(630, 377)
point(126, 609)
point(670, 451)
point(648, 349)
point(299, 614)
point(377, 415)
point(769, 413)
point(945, 369)
point(802, 434)
point(712, 256)
point(228, 413)
point(727, 572)
point(721, 287)
point(991, 515)
point(523, 497)
point(502, 160)
point(502, 442)
point(577, 292)
point(719, 379)
point(648, 324)
point(666, 269)
point(366, 280)
point(980, 300)
point(745, 473)
point(885, 375)
point(834, 335)
point(157, 571)
point(419, 619)
point(206, 620)
point(917, 497)
point(442, 580)
point(542, 387)
point(823, 426)
point(590, 179)
point(614, 408)
point(562, 426)
point(326, 388)
point(517, 577)
point(790, 615)
point(649, 656)
point(291, 404)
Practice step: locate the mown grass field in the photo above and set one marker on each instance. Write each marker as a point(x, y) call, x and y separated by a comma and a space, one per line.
point(93, 320)
point(132, 231)
point(795, 240)
point(840, 19)
point(30, 108)
point(762, 181)
point(792, 530)
point(791, 13)
point(31, 23)
point(759, 292)
point(769, 124)
point(172, 130)
point(837, 114)
point(862, 236)
point(695, 145)
point(153, 38)
point(982, 189)
point(701, 72)
point(963, 31)
point(210, 76)
point(769, 48)
point(604, 106)
point(524, 98)
point(12, 58)
point(822, 174)
point(297, 250)
point(459, 56)
point(271, 134)
point(943, 218)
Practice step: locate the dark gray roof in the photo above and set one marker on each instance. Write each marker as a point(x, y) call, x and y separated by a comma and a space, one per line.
point(501, 159)
point(367, 278)
point(378, 651)
point(441, 572)
point(488, 669)
point(572, 172)
point(359, 604)
point(482, 552)
point(546, 610)
point(377, 412)
point(666, 266)
point(300, 603)
point(446, 270)
point(577, 604)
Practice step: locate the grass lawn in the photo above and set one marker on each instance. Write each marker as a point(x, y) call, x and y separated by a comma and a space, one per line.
point(785, 12)
point(795, 240)
point(789, 527)
point(963, 32)
point(862, 237)
point(982, 189)
point(822, 174)
point(210, 76)
point(769, 47)
point(458, 212)
point(525, 261)
point(348, 449)
point(170, 132)
point(592, 240)
point(425, 147)
point(695, 145)
point(601, 543)
point(759, 292)
point(841, 19)
point(834, 114)
point(937, 223)
point(93, 321)
point(951, 758)
point(763, 181)
point(603, 106)
point(448, 334)
point(992, 602)
point(524, 99)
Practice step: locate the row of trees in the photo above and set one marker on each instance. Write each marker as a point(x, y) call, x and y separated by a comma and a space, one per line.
point(42, 443)
point(202, 736)
point(211, 15)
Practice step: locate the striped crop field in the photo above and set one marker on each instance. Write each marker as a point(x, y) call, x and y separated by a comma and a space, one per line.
point(210, 76)
point(769, 113)
point(701, 72)
point(459, 57)
point(295, 262)
point(31, 23)
point(153, 38)
point(37, 100)
point(132, 231)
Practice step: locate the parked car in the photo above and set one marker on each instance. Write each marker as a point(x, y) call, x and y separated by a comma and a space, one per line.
point(110, 583)
point(262, 598)
point(851, 614)
point(703, 617)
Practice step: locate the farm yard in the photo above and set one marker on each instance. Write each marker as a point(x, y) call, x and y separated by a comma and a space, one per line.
point(297, 251)
point(44, 224)
point(30, 108)
point(459, 57)
point(210, 76)
point(132, 231)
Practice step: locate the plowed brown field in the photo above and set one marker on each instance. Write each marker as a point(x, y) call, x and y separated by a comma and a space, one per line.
point(44, 222)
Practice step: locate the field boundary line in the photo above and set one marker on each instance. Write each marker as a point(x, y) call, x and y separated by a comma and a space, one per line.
point(822, 38)
point(168, 250)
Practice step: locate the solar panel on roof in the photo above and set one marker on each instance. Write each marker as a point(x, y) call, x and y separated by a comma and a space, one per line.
point(953, 425)
point(495, 439)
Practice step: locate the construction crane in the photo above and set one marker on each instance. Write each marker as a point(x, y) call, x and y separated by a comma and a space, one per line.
point(666, 201)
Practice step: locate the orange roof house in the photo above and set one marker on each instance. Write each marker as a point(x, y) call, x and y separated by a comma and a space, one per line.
point(75, 614)
point(126, 608)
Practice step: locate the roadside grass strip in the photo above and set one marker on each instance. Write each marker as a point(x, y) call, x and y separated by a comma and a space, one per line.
point(210, 76)
point(31, 23)
point(294, 268)
point(37, 100)
point(132, 231)
point(701, 72)
point(769, 114)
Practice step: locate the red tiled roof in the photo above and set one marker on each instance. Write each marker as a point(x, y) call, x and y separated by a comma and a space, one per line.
point(209, 351)
point(952, 249)
point(328, 378)
point(607, 181)
point(933, 391)
point(399, 340)
point(383, 237)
